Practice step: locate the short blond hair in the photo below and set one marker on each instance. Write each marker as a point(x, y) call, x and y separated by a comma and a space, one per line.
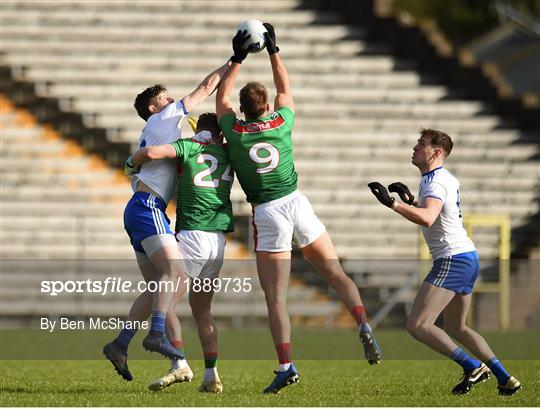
point(253, 99)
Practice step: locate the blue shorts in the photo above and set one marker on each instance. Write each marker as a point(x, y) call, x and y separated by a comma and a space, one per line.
point(457, 273)
point(144, 216)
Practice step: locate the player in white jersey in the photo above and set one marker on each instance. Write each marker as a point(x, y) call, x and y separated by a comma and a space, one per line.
point(448, 286)
point(147, 224)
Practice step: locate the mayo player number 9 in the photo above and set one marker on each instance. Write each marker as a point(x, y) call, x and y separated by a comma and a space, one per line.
point(272, 159)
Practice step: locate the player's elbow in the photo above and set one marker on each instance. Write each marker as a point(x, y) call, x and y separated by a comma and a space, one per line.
point(221, 102)
point(208, 87)
point(427, 223)
point(422, 220)
point(429, 220)
point(284, 93)
point(151, 154)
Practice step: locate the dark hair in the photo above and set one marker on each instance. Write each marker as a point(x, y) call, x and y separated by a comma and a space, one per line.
point(208, 122)
point(253, 99)
point(439, 139)
point(144, 100)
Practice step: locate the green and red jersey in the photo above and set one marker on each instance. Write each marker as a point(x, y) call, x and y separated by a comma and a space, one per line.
point(204, 187)
point(261, 154)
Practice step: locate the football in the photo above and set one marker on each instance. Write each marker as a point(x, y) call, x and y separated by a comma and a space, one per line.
point(254, 27)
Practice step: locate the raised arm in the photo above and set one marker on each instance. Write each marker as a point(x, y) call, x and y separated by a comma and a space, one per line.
point(224, 105)
point(279, 71)
point(205, 88)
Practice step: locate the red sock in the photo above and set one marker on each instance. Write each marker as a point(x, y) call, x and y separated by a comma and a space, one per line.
point(359, 314)
point(210, 355)
point(177, 343)
point(284, 353)
point(210, 359)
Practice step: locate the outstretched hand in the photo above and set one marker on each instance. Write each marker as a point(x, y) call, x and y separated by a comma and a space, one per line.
point(270, 39)
point(403, 191)
point(238, 42)
point(381, 194)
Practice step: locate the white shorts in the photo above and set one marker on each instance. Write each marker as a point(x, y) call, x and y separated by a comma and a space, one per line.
point(202, 251)
point(152, 244)
point(277, 222)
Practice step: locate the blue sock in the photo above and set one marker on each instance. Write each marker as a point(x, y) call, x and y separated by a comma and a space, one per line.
point(462, 358)
point(124, 338)
point(498, 370)
point(158, 322)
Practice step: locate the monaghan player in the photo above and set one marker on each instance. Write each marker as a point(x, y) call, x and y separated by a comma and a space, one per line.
point(448, 286)
point(144, 217)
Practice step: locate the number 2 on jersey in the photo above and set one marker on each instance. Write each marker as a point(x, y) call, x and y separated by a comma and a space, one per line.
point(198, 179)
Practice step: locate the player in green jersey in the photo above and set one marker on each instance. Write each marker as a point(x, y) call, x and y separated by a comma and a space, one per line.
point(145, 220)
point(261, 153)
point(203, 215)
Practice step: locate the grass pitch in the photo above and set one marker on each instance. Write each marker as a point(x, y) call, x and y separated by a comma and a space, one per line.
point(322, 383)
point(421, 381)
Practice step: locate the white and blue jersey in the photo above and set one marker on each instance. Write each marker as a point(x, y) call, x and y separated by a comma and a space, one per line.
point(144, 215)
point(162, 128)
point(456, 260)
point(447, 236)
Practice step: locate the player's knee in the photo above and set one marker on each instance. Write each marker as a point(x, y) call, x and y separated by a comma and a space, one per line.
point(414, 327)
point(274, 296)
point(172, 268)
point(274, 300)
point(200, 311)
point(201, 314)
point(332, 270)
point(410, 327)
point(175, 272)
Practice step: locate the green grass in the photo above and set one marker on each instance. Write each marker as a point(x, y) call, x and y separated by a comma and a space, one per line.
point(32, 344)
point(323, 383)
point(342, 379)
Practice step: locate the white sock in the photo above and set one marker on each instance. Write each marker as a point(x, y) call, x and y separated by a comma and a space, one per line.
point(210, 374)
point(178, 363)
point(284, 367)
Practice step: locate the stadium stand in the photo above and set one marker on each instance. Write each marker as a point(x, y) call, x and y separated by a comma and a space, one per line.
point(65, 206)
point(358, 112)
point(54, 195)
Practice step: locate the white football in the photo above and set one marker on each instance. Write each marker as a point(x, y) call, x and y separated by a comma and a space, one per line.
point(257, 30)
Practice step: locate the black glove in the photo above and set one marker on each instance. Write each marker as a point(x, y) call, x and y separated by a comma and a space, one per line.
point(238, 42)
point(270, 39)
point(403, 191)
point(129, 168)
point(381, 194)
